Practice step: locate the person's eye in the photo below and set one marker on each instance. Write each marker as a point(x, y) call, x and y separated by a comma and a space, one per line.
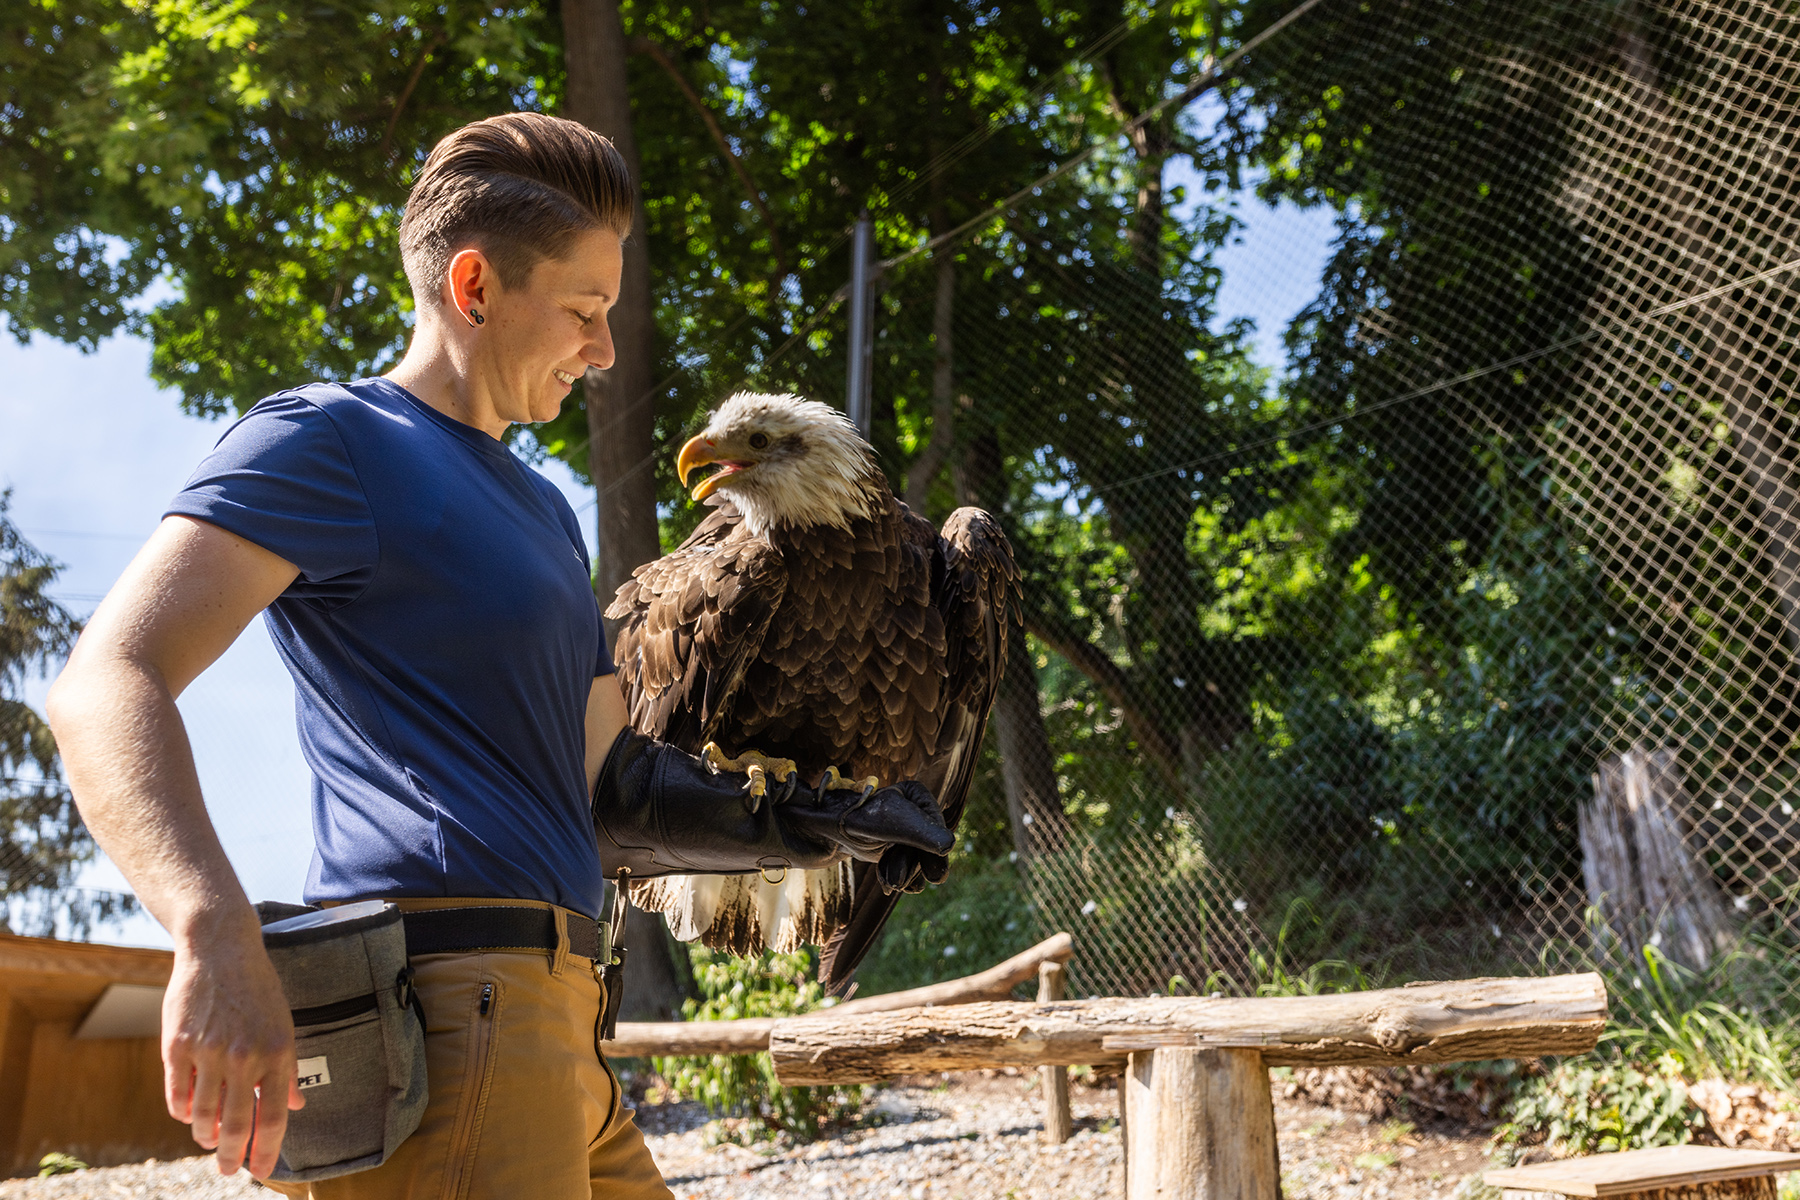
point(584, 318)
point(759, 441)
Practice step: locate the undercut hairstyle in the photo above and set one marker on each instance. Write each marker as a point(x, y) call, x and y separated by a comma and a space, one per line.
point(517, 187)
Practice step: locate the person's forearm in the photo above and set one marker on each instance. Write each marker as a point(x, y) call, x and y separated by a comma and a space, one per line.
point(132, 772)
point(227, 1036)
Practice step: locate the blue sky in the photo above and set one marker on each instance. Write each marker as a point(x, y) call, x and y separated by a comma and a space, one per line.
point(92, 450)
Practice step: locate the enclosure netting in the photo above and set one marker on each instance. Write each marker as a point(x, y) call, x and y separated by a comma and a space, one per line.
point(1329, 656)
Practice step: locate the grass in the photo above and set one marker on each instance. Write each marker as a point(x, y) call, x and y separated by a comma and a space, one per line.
point(1739, 1020)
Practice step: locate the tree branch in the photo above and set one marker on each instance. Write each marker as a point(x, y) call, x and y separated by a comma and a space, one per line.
point(1115, 685)
point(412, 81)
point(665, 60)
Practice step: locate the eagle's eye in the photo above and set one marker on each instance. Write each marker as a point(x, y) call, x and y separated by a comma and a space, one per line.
point(759, 441)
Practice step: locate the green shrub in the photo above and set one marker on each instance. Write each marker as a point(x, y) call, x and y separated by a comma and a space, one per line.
point(974, 919)
point(1584, 1107)
point(731, 988)
point(58, 1163)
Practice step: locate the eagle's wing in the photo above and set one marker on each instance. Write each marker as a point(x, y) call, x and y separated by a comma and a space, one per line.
point(979, 597)
point(690, 625)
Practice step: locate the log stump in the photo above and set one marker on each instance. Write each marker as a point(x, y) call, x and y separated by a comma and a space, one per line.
point(1641, 874)
point(1200, 1125)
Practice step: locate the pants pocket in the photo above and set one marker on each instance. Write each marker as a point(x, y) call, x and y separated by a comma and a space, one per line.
point(478, 1076)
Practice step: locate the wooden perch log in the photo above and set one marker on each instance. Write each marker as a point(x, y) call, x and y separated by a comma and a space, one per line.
point(1422, 1023)
point(751, 1036)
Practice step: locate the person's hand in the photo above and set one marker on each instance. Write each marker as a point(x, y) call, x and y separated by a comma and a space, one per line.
point(228, 1038)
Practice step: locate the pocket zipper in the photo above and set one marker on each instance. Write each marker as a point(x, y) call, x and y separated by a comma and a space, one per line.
point(478, 1077)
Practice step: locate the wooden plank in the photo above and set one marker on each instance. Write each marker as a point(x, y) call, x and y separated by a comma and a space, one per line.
point(1759, 1187)
point(1642, 1170)
point(1059, 1120)
point(751, 1036)
point(1202, 1126)
point(24, 957)
point(1426, 1023)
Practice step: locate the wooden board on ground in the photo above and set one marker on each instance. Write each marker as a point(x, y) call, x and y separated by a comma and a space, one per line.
point(1636, 1172)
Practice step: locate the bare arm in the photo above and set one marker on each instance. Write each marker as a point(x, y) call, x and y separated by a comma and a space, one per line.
point(606, 715)
point(226, 1027)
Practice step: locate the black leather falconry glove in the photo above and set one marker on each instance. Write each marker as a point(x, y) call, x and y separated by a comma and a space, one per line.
point(659, 811)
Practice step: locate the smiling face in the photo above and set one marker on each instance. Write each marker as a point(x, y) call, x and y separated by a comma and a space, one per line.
point(535, 340)
point(785, 461)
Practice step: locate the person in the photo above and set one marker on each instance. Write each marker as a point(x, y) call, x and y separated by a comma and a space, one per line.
point(432, 598)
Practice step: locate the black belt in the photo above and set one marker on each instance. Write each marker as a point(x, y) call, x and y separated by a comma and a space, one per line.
point(493, 927)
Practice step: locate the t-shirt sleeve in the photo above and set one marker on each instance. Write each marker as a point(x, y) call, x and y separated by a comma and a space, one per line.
point(282, 478)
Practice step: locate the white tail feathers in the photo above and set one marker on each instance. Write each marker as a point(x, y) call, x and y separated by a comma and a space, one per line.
point(745, 914)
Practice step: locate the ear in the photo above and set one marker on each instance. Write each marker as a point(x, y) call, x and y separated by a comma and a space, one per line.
point(469, 282)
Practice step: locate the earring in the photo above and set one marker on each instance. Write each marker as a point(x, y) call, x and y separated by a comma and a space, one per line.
point(477, 317)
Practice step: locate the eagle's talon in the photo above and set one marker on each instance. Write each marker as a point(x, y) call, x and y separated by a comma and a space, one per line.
point(754, 764)
point(835, 781)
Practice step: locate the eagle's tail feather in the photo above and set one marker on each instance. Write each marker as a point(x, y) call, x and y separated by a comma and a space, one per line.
point(858, 929)
point(743, 914)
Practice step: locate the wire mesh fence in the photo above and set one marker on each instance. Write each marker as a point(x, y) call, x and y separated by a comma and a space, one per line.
point(1339, 660)
point(1437, 644)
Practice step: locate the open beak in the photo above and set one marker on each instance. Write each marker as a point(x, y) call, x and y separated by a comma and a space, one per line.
point(699, 452)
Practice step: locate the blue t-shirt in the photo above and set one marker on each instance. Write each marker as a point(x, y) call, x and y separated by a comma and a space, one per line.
point(443, 636)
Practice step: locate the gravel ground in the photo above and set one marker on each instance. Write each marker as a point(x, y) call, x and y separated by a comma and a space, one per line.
point(965, 1137)
point(188, 1178)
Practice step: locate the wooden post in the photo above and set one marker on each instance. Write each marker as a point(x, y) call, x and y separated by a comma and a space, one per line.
point(1059, 1121)
point(1202, 1126)
point(1125, 1130)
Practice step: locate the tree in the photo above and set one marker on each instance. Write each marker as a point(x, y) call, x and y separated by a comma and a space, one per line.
point(42, 840)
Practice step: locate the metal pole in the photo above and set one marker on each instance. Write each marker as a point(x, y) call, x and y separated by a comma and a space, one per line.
point(857, 393)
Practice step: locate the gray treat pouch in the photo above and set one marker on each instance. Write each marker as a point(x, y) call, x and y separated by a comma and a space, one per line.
point(359, 1034)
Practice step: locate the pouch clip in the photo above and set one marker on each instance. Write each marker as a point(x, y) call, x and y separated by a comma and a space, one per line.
point(612, 976)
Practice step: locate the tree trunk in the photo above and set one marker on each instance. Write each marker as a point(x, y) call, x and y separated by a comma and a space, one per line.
point(1027, 764)
point(1645, 882)
point(621, 416)
point(931, 460)
point(621, 401)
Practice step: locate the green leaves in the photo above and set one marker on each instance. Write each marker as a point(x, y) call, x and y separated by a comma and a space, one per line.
point(1582, 1107)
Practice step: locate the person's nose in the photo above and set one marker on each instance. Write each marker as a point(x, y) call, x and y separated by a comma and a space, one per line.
point(599, 350)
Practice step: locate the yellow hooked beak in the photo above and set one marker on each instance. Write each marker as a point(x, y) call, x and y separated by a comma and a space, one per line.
point(699, 452)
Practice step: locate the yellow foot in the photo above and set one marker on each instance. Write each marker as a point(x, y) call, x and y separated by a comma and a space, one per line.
point(758, 766)
point(835, 782)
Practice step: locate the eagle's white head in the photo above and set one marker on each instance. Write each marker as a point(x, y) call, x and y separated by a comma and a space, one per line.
point(785, 461)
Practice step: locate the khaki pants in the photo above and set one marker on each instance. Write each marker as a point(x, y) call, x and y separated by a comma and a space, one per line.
point(521, 1102)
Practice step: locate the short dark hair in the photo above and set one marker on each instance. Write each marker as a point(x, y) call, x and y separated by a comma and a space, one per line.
point(517, 186)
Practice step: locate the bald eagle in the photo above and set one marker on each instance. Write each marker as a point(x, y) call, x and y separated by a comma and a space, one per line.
point(812, 617)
